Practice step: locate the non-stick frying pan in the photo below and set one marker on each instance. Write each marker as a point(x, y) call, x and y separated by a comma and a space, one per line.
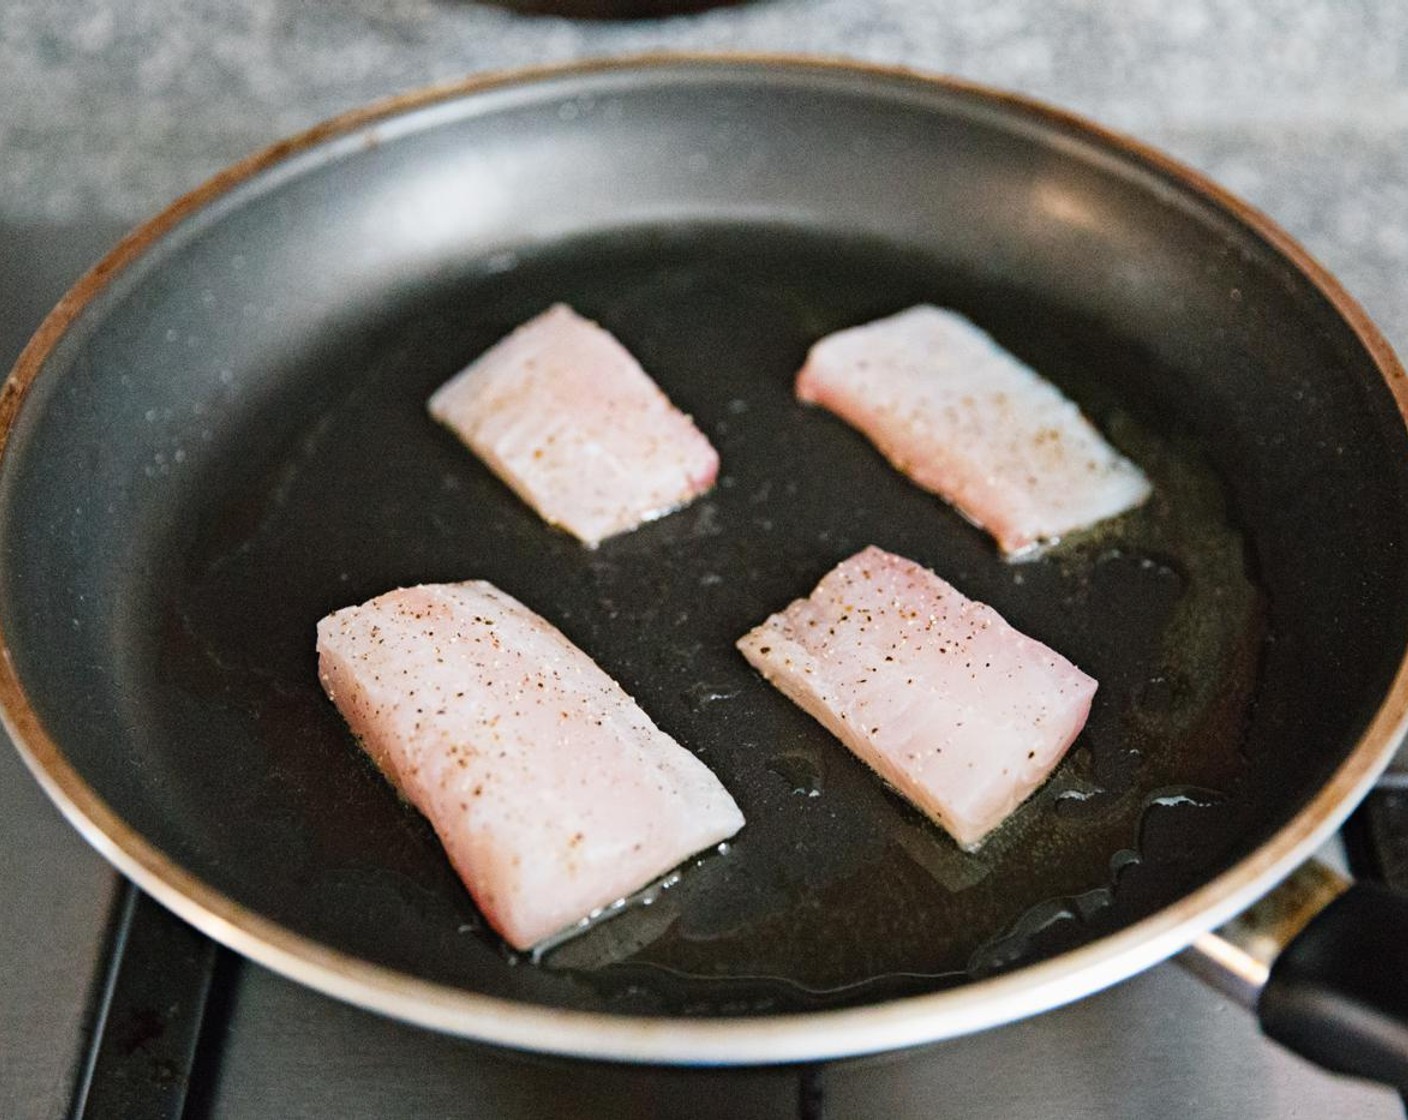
point(220, 435)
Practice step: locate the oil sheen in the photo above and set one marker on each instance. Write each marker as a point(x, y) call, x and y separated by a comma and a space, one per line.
point(836, 891)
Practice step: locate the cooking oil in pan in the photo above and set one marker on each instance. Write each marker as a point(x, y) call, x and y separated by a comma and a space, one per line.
point(836, 890)
point(1165, 612)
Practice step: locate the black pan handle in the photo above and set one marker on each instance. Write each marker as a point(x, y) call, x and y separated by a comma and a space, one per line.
point(1324, 964)
point(1338, 993)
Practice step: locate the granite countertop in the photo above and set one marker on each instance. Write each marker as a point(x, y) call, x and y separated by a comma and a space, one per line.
point(109, 110)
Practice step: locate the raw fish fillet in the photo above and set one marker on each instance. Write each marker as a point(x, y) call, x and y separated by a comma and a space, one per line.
point(966, 420)
point(958, 711)
point(552, 792)
point(565, 415)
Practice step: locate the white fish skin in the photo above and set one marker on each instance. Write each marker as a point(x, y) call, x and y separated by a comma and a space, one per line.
point(564, 415)
point(966, 420)
point(961, 713)
point(551, 791)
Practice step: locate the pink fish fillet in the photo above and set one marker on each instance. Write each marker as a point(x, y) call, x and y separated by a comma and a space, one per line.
point(552, 792)
point(958, 711)
point(967, 421)
point(565, 415)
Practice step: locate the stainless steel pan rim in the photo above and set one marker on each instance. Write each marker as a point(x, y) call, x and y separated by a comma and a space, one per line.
point(746, 1041)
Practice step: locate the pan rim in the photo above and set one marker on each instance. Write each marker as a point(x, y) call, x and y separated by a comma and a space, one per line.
point(747, 1041)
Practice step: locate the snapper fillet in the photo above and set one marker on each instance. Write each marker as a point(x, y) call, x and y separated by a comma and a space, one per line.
point(966, 420)
point(961, 713)
point(552, 792)
point(564, 415)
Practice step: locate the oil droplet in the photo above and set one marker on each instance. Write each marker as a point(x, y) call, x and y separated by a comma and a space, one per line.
point(798, 770)
point(1072, 804)
point(614, 942)
point(1194, 796)
point(1121, 860)
point(1007, 949)
point(1157, 695)
point(701, 695)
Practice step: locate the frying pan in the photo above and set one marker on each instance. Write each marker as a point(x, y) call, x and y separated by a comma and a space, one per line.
point(219, 436)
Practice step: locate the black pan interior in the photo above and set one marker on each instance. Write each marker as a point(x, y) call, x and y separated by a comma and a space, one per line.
point(232, 442)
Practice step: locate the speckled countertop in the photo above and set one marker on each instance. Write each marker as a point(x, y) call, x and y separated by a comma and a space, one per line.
point(109, 109)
